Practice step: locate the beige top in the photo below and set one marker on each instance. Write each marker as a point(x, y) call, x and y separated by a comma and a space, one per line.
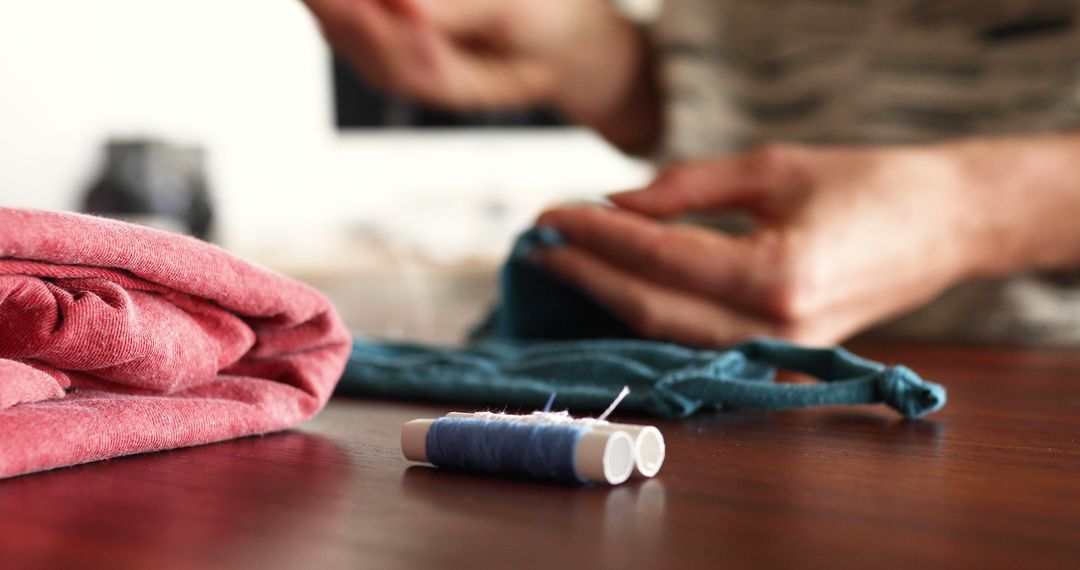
point(741, 72)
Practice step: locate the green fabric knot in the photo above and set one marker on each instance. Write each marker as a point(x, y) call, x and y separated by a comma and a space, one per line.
point(903, 390)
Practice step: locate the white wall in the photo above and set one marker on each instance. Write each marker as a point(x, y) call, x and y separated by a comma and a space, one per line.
point(249, 81)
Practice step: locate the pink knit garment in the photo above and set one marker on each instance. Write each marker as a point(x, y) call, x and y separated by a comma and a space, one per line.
point(117, 339)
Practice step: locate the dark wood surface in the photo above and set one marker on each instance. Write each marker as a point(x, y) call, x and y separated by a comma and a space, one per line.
point(991, 481)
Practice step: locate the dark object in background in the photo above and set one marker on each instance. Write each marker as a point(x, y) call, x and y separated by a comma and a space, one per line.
point(153, 183)
point(357, 105)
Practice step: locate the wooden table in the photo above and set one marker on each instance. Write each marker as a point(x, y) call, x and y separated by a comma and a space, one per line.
point(991, 481)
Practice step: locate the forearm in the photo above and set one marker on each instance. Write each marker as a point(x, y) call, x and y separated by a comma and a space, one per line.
point(608, 83)
point(1025, 193)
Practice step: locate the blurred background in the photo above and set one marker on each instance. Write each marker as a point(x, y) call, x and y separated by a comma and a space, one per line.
point(323, 188)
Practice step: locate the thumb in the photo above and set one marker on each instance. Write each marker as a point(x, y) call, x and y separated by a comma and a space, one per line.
point(745, 180)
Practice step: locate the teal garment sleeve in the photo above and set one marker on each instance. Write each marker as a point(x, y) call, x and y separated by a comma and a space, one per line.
point(548, 338)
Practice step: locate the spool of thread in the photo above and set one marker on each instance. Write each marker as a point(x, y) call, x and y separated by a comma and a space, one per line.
point(561, 451)
point(649, 447)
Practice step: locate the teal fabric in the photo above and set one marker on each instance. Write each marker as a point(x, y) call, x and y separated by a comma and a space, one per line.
point(548, 338)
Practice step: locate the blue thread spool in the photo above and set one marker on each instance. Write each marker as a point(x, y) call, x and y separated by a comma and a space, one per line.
point(649, 447)
point(572, 453)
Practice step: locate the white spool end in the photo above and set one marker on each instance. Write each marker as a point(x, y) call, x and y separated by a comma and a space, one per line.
point(605, 456)
point(649, 451)
point(414, 440)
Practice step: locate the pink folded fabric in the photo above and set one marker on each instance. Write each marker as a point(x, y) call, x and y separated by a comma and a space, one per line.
point(117, 339)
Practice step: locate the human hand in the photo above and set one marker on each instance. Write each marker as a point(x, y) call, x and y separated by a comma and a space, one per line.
point(473, 54)
point(844, 238)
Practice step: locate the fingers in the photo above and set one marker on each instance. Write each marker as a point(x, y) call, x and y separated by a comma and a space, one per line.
point(751, 180)
point(412, 48)
point(705, 262)
point(651, 310)
point(480, 81)
point(331, 10)
point(389, 42)
point(663, 313)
